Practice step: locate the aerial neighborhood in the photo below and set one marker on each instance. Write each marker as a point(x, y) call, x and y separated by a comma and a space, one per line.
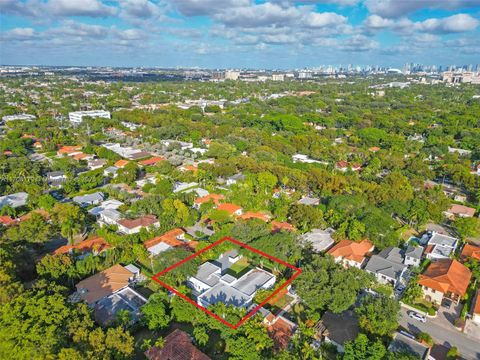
point(115, 215)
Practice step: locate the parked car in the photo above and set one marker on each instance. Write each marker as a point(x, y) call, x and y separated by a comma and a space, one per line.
point(417, 316)
point(446, 303)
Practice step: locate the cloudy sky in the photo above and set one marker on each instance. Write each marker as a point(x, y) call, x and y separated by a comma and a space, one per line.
point(239, 33)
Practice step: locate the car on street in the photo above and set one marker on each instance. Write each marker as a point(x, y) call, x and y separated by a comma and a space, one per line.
point(417, 316)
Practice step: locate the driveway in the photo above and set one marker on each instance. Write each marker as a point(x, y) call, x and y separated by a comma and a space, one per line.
point(443, 332)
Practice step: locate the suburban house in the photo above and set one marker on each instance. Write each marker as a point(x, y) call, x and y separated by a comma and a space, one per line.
point(320, 240)
point(278, 226)
point(177, 346)
point(387, 266)
point(6, 220)
point(440, 246)
point(232, 209)
point(133, 226)
point(475, 310)
point(89, 199)
point(413, 255)
point(110, 171)
point(248, 215)
point(306, 200)
point(280, 330)
point(405, 344)
point(69, 150)
point(108, 292)
point(152, 161)
point(94, 246)
point(14, 200)
point(351, 253)
point(55, 178)
point(213, 283)
point(344, 166)
point(235, 178)
point(96, 164)
point(167, 241)
point(215, 198)
point(109, 217)
point(459, 211)
point(337, 329)
point(120, 164)
point(470, 251)
point(110, 204)
point(445, 278)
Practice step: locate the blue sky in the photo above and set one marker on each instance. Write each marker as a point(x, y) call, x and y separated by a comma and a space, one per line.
point(239, 33)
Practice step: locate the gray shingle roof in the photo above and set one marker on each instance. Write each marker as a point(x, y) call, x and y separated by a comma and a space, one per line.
point(206, 274)
point(389, 268)
point(415, 252)
point(225, 294)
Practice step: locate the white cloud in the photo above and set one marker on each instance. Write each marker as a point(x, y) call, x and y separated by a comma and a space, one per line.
point(91, 8)
point(20, 34)
point(140, 10)
point(452, 24)
point(207, 7)
point(324, 19)
point(358, 43)
point(398, 8)
point(377, 22)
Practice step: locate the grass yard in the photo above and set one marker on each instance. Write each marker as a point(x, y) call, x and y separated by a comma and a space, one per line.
point(240, 267)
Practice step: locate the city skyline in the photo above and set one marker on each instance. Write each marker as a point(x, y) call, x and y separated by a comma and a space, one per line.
point(282, 34)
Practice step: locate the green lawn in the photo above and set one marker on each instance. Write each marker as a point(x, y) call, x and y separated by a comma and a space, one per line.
point(240, 267)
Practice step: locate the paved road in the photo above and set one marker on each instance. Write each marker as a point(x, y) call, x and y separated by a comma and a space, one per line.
point(444, 334)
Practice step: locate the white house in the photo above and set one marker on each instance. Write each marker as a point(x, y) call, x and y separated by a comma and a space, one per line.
point(212, 283)
point(133, 226)
point(440, 246)
point(76, 117)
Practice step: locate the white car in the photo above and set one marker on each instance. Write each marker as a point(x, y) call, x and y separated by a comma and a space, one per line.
point(418, 317)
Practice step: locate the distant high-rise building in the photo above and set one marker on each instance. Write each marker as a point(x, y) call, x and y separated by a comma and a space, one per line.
point(232, 75)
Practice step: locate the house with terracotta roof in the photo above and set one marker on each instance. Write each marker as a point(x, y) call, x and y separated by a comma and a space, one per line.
point(475, 312)
point(351, 253)
point(120, 164)
point(248, 215)
point(110, 291)
point(94, 246)
point(344, 166)
point(6, 220)
point(69, 150)
point(83, 156)
point(133, 226)
point(281, 330)
point(445, 278)
point(152, 161)
point(457, 210)
point(185, 168)
point(177, 346)
point(470, 251)
point(215, 198)
point(232, 209)
point(278, 226)
point(167, 241)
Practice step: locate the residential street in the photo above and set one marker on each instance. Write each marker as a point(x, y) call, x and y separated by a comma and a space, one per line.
point(443, 333)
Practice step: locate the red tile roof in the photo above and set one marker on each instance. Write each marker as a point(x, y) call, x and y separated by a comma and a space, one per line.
point(351, 250)
point(254, 215)
point(170, 238)
point(280, 332)
point(470, 251)
point(228, 207)
point(152, 161)
point(97, 244)
point(7, 220)
point(69, 149)
point(476, 305)
point(446, 275)
point(178, 346)
point(121, 163)
point(278, 226)
point(144, 221)
point(213, 197)
point(461, 210)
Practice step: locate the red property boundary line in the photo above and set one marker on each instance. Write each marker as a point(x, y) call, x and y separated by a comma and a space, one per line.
point(298, 271)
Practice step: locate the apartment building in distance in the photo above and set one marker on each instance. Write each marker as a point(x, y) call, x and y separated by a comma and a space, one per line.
point(76, 117)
